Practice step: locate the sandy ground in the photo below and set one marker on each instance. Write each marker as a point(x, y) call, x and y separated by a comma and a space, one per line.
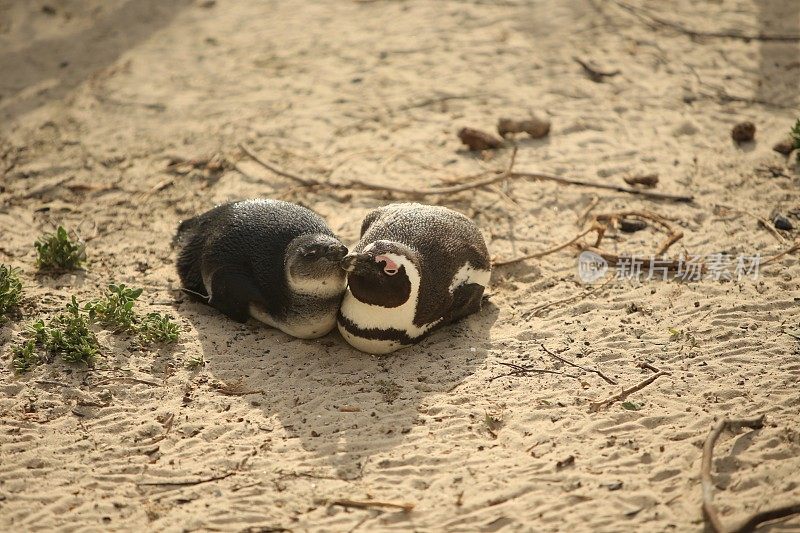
point(97, 96)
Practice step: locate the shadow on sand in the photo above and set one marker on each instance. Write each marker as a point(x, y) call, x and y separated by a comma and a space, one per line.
point(343, 405)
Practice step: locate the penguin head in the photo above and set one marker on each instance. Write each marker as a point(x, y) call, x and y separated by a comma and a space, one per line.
point(312, 260)
point(385, 273)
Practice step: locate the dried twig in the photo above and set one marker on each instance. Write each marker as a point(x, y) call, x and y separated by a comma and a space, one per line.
point(594, 74)
point(597, 228)
point(167, 427)
point(186, 482)
point(308, 182)
point(51, 382)
point(498, 176)
point(370, 504)
point(570, 363)
point(444, 190)
point(707, 482)
point(234, 390)
point(578, 296)
point(608, 186)
point(624, 393)
point(654, 22)
point(673, 233)
point(105, 381)
point(585, 213)
point(793, 248)
point(648, 366)
point(519, 370)
point(761, 220)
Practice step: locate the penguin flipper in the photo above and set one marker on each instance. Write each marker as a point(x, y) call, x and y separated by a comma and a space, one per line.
point(232, 293)
point(466, 300)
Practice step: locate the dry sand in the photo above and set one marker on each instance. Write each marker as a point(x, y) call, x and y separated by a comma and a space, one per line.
point(97, 95)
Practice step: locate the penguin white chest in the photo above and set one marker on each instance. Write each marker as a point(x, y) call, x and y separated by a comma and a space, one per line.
point(385, 328)
point(313, 305)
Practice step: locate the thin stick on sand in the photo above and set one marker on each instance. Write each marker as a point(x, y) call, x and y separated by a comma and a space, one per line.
point(655, 21)
point(707, 483)
point(578, 296)
point(624, 393)
point(673, 233)
point(186, 483)
point(371, 504)
point(599, 224)
point(761, 220)
point(308, 182)
point(519, 370)
point(570, 363)
point(499, 175)
point(536, 255)
point(619, 188)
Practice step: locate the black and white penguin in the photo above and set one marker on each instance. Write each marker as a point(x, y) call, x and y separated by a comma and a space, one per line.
point(271, 260)
point(416, 268)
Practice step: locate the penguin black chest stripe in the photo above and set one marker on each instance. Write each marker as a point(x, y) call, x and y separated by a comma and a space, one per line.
point(388, 334)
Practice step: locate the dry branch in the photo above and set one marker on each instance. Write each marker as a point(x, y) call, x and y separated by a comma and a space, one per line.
point(370, 504)
point(673, 233)
point(186, 482)
point(654, 22)
point(583, 294)
point(570, 363)
point(607, 186)
point(594, 74)
point(167, 427)
point(536, 255)
point(793, 248)
point(105, 381)
point(519, 370)
point(585, 213)
point(308, 182)
point(499, 175)
point(624, 393)
point(761, 220)
point(707, 482)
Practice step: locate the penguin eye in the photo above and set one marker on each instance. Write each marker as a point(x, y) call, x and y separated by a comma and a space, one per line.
point(390, 271)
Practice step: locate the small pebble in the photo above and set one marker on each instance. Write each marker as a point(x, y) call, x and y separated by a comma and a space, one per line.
point(784, 147)
point(781, 222)
point(743, 132)
point(630, 225)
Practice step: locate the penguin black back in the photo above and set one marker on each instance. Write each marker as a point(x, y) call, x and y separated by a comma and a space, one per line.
point(236, 254)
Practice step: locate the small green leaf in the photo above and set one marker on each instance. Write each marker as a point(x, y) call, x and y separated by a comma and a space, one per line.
point(631, 406)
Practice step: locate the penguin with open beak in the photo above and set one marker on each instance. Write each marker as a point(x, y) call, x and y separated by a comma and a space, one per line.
point(416, 268)
point(271, 260)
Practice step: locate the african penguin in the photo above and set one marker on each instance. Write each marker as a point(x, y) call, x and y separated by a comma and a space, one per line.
point(271, 260)
point(416, 268)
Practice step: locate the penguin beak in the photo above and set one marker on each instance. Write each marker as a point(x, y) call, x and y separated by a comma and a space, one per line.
point(352, 262)
point(335, 252)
